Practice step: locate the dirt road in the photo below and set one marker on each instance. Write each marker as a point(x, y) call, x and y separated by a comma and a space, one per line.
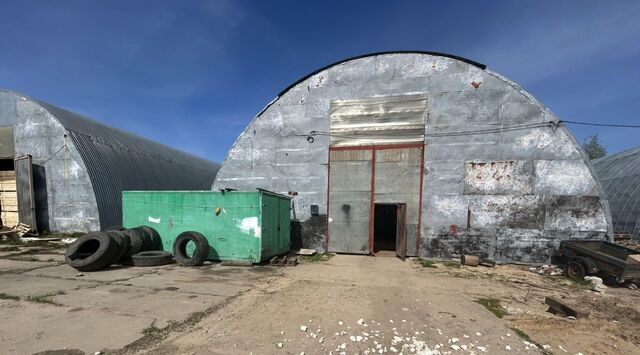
point(367, 305)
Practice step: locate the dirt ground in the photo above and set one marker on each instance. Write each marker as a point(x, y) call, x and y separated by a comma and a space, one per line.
point(367, 305)
point(344, 305)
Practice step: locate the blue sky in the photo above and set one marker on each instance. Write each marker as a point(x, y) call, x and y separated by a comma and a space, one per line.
point(192, 74)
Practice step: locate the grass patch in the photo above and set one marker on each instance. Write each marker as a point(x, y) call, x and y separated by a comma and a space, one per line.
point(41, 299)
point(4, 296)
point(150, 330)
point(317, 257)
point(493, 306)
point(62, 235)
point(569, 281)
point(452, 264)
point(426, 263)
point(524, 336)
point(46, 299)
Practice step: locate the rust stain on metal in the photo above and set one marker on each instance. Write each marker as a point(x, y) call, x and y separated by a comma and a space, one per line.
point(476, 84)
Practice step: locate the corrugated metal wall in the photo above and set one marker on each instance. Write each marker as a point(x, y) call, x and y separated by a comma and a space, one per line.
point(117, 161)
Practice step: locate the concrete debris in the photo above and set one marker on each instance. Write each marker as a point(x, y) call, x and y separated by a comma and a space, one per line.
point(307, 252)
point(552, 270)
point(563, 308)
point(360, 321)
point(303, 328)
point(596, 283)
point(280, 345)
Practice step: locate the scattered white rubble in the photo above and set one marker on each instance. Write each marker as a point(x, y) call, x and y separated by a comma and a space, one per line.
point(551, 270)
point(360, 321)
point(303, 328)
point(507, 347)
point(455, 347)
point(563, 349)
point(596, 283)
point(279, 345)
point(340, 322)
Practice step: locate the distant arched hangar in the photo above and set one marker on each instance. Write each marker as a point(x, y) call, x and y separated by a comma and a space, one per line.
point(423, 154)
point(80, 167)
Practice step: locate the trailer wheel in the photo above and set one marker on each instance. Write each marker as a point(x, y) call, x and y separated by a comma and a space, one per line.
point(200, 254)
point(93, 251)
point(575, 270)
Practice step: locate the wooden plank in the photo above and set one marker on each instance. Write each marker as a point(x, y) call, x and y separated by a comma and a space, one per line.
point(563, 307)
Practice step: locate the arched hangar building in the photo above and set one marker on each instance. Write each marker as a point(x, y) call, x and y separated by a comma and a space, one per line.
point(620, 176)
point(61, 171)
point(423, 153)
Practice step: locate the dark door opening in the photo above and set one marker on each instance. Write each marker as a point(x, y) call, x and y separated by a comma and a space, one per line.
point(385, 227)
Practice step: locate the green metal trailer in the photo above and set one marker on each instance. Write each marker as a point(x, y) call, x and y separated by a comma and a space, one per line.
point(247, 226)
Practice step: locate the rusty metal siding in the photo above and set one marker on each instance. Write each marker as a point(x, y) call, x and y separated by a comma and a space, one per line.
point(117, 161)
point(620, 177)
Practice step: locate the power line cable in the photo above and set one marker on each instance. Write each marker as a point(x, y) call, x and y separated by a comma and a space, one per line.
point(601, 124)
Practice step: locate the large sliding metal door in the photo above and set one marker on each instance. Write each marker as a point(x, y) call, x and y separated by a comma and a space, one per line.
point(349, 200)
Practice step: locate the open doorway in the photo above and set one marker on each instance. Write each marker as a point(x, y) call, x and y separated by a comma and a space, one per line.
point(389, 230)
point(384, 228)
point(8, 194)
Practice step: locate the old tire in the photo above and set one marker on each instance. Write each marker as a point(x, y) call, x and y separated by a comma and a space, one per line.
point(152, 258)
point(575, 270)
point(124, 244)
point(199, 256)
point(155, 243)
point(147, 243)
point(137, 240)
point(115, 228)
point(93, 251)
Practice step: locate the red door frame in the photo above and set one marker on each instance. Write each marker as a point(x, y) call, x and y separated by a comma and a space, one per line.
point(373, 149)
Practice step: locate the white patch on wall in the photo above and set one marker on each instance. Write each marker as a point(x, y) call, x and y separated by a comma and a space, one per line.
point(249, 225)
point(153, 220)
point(74, 169)
point(564, 177)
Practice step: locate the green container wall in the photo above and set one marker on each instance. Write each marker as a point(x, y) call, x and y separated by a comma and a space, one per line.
point(251, 226)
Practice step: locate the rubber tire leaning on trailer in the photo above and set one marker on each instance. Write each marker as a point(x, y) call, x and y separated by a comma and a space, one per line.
point(115, 228)
point(199, 256)
point(136, 239)
point(152, 258)
point(124, 245)
point(91, 252)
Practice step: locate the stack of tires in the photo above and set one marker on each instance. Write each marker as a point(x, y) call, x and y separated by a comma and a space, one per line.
point(140, 246)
